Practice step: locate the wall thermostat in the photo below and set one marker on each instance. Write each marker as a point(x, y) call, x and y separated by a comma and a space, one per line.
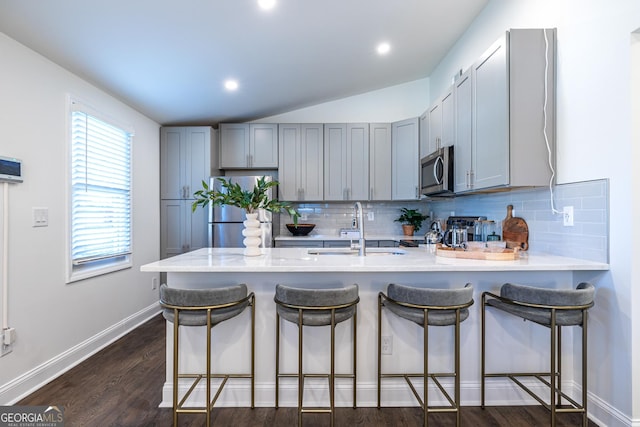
point(10, 169)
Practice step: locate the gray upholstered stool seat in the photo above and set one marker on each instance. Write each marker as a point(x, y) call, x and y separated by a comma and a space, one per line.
point(552, 308)
point(514, 297)
point(314, 307)
point(427, 307)
point(204, 307)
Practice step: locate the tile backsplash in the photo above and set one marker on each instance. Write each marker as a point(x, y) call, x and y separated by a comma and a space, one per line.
point(588, 238)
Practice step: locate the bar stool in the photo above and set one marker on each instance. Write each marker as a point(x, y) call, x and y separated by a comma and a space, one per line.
point(427, 307)
point(316, 307)
point(553, 308)
point(205, 307)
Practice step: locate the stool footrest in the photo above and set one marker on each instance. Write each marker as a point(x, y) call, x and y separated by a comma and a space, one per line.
point(575, 406)
point(198, 377)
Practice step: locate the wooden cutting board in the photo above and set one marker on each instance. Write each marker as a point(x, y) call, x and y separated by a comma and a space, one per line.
point(499, 255)
point(515, 231)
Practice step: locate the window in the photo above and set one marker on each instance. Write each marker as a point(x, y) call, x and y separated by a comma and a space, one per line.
point(100, 195)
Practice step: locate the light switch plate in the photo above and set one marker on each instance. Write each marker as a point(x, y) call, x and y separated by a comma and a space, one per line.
point(40, 217)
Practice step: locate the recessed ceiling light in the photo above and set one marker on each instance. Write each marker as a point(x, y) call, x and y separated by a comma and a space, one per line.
point(231, 85)
point(383, 48)
point(266, 4)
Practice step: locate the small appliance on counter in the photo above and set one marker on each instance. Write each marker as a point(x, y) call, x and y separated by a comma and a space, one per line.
point(464, 222)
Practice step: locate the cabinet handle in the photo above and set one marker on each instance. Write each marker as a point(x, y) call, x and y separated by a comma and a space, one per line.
point(417, 193)
point(471, 178)
point(187, 194)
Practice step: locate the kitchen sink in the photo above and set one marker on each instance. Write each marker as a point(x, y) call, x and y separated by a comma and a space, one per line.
point(352, 252)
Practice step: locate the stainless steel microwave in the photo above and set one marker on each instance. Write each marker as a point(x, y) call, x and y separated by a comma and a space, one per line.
point(436, 173)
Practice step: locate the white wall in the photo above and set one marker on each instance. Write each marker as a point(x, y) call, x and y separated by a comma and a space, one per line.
point(390, 104)
point(594, 141)
point(635, 150)
point(56, 323)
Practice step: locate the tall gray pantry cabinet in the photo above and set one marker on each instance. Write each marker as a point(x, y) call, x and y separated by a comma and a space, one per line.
point(185, 161)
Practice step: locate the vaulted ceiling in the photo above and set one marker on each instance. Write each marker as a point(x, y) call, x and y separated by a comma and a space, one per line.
point(169, 59)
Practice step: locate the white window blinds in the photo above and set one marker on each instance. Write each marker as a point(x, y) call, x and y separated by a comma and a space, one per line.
point(100, 190)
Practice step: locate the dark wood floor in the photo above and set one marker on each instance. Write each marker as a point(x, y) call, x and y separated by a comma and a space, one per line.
point(120, 386)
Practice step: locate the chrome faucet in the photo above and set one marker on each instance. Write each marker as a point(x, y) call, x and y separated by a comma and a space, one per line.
point(360, 224)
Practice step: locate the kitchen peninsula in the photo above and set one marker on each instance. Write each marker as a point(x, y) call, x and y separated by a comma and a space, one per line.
point(212, 267)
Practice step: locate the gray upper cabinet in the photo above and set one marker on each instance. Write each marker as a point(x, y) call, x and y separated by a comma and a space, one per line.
point(462, 148)
point(248, 146)
point(346, 161)
point(404, 160)
point(513, 93)
point(441, 122)
point(301, 154)
point(185, 160)
point(380, 161)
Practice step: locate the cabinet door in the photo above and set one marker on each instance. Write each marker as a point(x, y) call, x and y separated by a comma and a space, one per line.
point(357, 161)
point(335, 165)
point(289, 162)
point(462, 151)
point(491, 119)
point(263, 146)
point(404, 160)
point(380, 161)
point(435, 127)
point(196, 227)
point(234, 145)
point(171, 228)
point(448, 119)
point(198, 155)
point(424, 134)
point(182, 230)
point(172, 162)
point(312, 162)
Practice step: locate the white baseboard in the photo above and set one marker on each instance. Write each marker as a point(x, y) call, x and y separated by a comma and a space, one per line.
point(499, 392)
point(30, 381)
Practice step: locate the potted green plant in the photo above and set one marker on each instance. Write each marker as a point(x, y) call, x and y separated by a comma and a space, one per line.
point(250, 201)
point(411, 220)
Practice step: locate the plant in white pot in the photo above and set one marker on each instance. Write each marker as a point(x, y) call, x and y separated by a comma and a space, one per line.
point(251, 201)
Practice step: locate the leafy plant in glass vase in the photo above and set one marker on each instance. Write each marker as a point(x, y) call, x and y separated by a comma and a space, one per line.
point(411, 220)
point(251, 201)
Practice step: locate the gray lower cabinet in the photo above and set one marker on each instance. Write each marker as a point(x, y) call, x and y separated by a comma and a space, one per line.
point(513, 113)
point(298, 244)
point(182, 230)
point(331, 243)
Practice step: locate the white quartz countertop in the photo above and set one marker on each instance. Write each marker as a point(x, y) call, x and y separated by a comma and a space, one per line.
point(279, 260)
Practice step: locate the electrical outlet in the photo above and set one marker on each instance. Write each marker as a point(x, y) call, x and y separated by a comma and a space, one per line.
point(5, 348)
point(370, 216)
point(154, 283)
point(387, 345)
point(567, 214)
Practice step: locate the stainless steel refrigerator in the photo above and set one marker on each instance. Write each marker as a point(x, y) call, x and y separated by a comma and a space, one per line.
point(226, 222)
